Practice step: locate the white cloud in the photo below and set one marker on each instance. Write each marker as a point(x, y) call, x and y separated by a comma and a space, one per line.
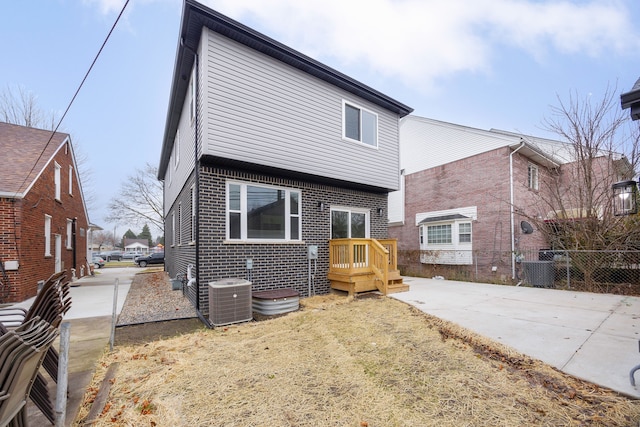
point(419, 41)
point(107, 6)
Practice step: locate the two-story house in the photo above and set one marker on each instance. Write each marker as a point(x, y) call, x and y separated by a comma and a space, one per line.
point(472, 201)
point(267, 155)
point(465, 193)
point(43, 217)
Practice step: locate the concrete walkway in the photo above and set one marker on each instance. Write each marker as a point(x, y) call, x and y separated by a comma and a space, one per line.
point(90, 319)
point(590, 336)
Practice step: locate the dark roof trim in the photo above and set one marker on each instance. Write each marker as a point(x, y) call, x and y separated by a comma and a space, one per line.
point(195, 16)
point(631, 100)
point(443, 218)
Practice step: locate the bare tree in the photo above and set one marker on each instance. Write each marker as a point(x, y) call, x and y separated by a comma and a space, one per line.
point(139, 201)
point(601, 148)
point(104, 238)
point(19, 106)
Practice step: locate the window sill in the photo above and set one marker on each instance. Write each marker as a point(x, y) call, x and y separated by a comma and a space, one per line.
point(263, 242)
point(363, 144)
point(192, 243)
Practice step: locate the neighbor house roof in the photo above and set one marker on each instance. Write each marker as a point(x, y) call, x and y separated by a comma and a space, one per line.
point(195, 16)
point(136, 243)
point(25, 153)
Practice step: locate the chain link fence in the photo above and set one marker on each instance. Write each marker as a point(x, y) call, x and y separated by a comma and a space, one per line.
point(592, 271)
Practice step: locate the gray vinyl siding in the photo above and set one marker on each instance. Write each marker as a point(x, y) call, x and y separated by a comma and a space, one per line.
point(177, 175)
point(262, 111)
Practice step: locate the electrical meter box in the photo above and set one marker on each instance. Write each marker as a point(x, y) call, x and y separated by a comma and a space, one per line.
point(313, 252)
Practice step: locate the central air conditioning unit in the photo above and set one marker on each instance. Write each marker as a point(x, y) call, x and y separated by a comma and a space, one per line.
point(230, 302)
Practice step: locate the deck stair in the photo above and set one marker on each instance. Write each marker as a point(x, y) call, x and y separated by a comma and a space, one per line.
point(363, 265)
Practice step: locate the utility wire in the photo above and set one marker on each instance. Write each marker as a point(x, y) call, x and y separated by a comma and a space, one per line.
point(74, 96)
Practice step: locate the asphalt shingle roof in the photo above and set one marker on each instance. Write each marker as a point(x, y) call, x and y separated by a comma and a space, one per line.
point(20, 147)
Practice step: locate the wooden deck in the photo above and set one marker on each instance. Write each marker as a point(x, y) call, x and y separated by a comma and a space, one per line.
point(362, 265)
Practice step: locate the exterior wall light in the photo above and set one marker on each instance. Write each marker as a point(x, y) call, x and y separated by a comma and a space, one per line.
point(624, 198)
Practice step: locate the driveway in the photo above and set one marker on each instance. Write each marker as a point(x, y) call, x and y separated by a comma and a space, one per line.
point(591, 336)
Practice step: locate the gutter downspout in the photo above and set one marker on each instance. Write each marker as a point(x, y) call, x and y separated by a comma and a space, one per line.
point(511, 201)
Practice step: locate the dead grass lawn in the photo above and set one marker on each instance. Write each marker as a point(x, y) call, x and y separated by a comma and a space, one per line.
point(341, 362)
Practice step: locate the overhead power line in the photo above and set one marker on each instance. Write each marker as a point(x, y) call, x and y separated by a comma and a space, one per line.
point(74, 95)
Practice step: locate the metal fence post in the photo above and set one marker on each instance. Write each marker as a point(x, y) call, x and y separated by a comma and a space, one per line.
point(566, 257)
point(114, 315)
point(63, 365)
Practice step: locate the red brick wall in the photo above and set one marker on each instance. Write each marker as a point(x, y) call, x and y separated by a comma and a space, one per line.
point(27, 244)
point(482, 181)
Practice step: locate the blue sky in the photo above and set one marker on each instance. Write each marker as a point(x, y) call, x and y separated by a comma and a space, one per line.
point(482, 63)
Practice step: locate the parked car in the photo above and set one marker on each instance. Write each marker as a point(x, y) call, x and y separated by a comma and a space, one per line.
point(111, 256)
point(130, 255)
point(155, 258)
point(97, 261)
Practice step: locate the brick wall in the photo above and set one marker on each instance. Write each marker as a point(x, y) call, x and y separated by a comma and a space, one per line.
point(22, 229)
point(482, 181)
point(274, 265)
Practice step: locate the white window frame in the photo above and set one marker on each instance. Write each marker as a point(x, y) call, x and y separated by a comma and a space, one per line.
point(363, 112)
point(465, 233)
point(70, 180)
point(47, 235)
point(69, 233)
point(176, 150)
point(173, 229)
point(352, 210)
point(56, 180)
point(243, 211)
point(533, 174)
point(440, 225)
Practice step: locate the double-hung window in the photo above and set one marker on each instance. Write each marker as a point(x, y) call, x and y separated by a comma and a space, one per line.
point(359, 124)
point(262, 212)
point(47, 235)
point(56, 180)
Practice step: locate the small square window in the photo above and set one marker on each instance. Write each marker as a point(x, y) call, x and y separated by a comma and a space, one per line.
point(360, 125)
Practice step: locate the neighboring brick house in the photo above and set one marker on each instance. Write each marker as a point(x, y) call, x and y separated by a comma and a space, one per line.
point(459, 185)
point(268, 153)
point(43, 217)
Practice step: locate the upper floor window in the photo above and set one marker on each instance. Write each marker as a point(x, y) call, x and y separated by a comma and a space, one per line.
point(70, 180)
point(56, 180)
point(260, 212)
point(532, 172)
point(359, 124)
point(176, 149)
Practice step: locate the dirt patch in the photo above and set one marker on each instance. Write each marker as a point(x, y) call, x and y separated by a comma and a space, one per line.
point(345, 362)
point(145, 332)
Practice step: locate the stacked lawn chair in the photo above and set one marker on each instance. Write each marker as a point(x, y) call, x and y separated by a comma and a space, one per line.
point(21, 353)
point(50, 305)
